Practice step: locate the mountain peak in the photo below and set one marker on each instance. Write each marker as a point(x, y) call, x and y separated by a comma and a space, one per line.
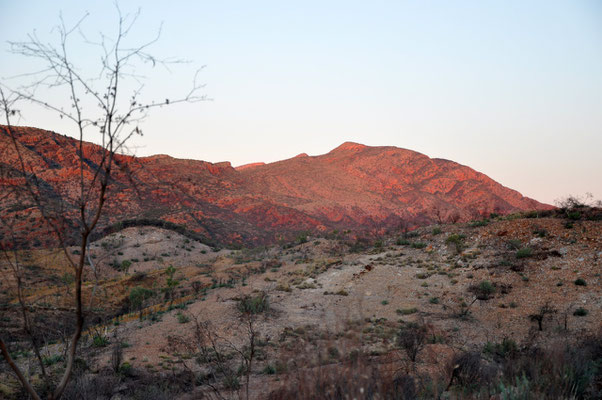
point(349, 146)
point(249, 166)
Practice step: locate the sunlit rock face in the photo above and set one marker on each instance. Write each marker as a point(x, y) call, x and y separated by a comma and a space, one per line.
point(365, 189)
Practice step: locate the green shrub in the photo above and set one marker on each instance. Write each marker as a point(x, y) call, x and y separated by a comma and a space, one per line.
point(53, 359)
point(402, 242)
point(574, 215)
point(301, 238)
point(254, 304)
point(269, 370)
point(138, 295)
point(457, 241)
point(125, 265)
point(437, 230)
point(580, 282)
point(419, 245)
point(580, 312)
point(100, 341)
point(540, 232)
point(183, 318)
point(170, 284)
point(502, 349)
point(434, 300)
point(475, 224)
point(524, 252)
point(483, 291)
point(126, 369)
point(406, 311)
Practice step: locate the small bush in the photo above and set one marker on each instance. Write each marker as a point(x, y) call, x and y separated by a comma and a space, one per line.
point(437, 230)
point(457, 241)
point(254, 304)
point(402, 242)
point(580, 282)
point(574, 215)
point(524, 252)
point(580, 312)
point(301, 238)
point(475, 224)
point(419, 245)
point(503, 349)
point(53, 359)
point(125, 265)
point(138, 295)
point(126, 369)
point(100, 341)
point(183, 318)
point(483, 291)
point(269, 370)
point(514, 244)
point(469, 371)
point(406, 311)
point(540, 232)
point(411, 338)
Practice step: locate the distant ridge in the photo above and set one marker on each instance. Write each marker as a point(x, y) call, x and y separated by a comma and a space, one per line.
point(357, 187)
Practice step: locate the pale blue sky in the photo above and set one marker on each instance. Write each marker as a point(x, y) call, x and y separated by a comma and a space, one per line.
point(510, 88)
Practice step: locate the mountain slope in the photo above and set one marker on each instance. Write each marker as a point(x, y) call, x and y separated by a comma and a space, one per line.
point(356, 187)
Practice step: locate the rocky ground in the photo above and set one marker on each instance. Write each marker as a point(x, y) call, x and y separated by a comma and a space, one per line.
point(320, 303)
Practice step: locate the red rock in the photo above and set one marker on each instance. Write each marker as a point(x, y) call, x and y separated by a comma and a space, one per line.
point(357, 187)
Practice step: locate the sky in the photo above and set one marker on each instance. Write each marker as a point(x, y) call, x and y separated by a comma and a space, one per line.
point(512, 89)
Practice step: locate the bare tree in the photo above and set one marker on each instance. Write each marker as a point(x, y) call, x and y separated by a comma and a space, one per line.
point(217, 355)
point(102, 108)
point(542, 313)
point(412, 338)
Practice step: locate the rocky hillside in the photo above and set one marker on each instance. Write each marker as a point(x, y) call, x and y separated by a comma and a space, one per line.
point(451, 311)
point(368, 189)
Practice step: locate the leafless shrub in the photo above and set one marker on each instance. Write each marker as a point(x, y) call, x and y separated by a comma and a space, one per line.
point(359, 379)
point(100, 104)
point(219, 359)
point(412, 338)
point(469, 370)
point(116, 357)
point(542, 313)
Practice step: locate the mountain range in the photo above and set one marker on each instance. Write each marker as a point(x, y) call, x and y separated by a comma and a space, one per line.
point(353, 187)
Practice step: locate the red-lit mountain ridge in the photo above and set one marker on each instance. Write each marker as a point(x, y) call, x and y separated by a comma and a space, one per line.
point(356, 187)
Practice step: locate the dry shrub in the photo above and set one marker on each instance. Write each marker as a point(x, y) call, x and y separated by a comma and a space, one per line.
point(361, 379)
